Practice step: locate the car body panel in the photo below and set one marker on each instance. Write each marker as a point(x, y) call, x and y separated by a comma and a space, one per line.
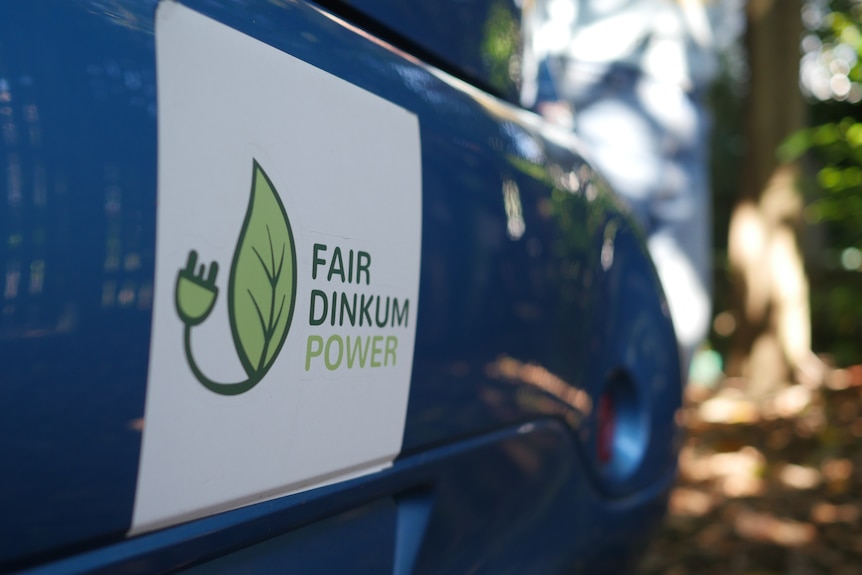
point(479, 40)
point(534, 292)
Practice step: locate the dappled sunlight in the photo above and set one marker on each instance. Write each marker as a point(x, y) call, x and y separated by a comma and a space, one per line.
point(731, 474)
point(688, 502)
point(767, 485)
point(799, 476)
point(765, 527)
point(770, 475)
point(837, 473)
point(789, 402)
point(824, 512)
point(730, 406)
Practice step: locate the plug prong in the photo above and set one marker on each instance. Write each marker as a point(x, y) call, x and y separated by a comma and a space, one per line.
point(192, 261)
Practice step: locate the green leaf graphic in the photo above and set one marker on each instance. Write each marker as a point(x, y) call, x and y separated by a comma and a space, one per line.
point(262, 285)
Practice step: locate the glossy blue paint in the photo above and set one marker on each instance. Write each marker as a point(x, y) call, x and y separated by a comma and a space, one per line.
point(511, 501)
point(535, 294)
point(78, 223)
point(479, 40)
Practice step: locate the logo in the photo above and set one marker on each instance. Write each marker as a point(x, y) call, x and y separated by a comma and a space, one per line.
point(261, 289)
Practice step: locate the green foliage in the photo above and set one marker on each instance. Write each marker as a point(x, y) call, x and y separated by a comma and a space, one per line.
point(837, 149)
point(833, 148)
point(836, 142)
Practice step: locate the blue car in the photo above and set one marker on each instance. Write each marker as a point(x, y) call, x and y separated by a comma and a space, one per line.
point(300, 288)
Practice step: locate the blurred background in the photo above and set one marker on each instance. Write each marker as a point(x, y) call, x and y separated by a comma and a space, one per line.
point(771, 469)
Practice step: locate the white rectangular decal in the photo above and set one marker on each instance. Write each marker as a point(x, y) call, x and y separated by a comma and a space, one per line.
point(287, 275)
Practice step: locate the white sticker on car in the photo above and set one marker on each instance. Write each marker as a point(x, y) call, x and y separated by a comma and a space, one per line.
point(287, 275)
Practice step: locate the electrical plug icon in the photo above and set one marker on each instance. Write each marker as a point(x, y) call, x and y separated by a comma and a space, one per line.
point(195, 295)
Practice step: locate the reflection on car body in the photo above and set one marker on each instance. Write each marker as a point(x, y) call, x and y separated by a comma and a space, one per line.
point(519, 420)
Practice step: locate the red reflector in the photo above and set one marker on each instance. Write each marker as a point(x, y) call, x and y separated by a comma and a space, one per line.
point(605, 432)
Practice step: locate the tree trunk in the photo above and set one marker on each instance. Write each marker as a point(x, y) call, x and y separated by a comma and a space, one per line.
point(772, 343)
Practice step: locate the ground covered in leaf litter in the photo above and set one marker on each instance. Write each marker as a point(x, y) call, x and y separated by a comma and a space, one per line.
point(768, 487)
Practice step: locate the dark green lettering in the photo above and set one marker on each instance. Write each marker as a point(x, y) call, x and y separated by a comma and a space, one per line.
point(377, 312)
point(400, 315)
point(336, 266)
point(363, 262)
point(334, 307)
point(316, 260)
point(351, 311)
point(316, 293)
point(365, 309)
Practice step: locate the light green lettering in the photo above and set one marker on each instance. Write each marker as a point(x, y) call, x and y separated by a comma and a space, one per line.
point(376, 350)
point(391, 345)
point(333, 365)
point(357, 351)
point(311, 351)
